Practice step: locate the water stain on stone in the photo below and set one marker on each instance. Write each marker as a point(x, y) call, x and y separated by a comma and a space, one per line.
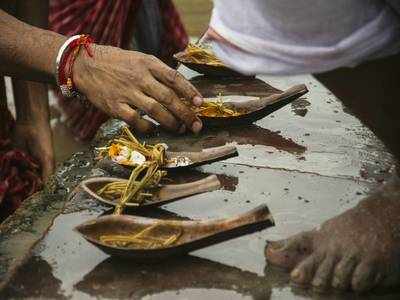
point(252, 135)
point(36, 273)
point(299, 106)
point(228, 183)
point(135, 281)
point(347, 110)
point(373, 171)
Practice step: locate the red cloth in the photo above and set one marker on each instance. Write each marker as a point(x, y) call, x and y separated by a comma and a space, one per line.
point(104, 20)
point(19, 174)
point(109, 22)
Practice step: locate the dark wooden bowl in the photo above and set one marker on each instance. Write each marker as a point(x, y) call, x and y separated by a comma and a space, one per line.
point(207, 70)
point(195, 234)
point(256, 109)
point(163, 195)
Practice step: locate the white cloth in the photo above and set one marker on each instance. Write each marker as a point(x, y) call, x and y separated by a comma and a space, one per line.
point(304, 36)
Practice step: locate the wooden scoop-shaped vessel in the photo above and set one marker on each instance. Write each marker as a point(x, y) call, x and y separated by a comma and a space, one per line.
point(193, 159)
point(207, 69)
point(179, 160)
point(163, 195)
point(255, 109)
point(190, 235)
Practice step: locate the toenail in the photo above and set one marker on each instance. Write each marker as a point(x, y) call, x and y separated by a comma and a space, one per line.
point(275, 246)
point(335, 282)
point(295, 274)
point(318, 283)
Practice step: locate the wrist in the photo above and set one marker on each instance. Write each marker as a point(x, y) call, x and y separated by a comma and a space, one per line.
point(54, 50)
point(81, 68)
point(66, 59)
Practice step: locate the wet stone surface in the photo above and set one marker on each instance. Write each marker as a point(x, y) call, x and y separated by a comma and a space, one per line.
point(308, 162)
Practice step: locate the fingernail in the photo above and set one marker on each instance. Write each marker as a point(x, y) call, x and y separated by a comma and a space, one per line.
point(197, 100)
point(196, 126)
point(182, 129)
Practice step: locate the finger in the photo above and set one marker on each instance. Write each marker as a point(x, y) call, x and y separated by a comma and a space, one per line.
point(343, 271)
point(158, 112)
point(132, 118)
point(171, 101)
point(176, 81)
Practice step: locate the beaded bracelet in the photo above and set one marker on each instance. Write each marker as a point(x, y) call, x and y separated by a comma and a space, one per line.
point(65, 60)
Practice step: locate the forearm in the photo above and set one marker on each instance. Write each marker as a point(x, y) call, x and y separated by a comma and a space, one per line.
point(114, 80)
point(30, 98)
point(27, 52)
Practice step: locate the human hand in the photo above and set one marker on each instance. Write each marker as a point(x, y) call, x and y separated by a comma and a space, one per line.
point(119, 82)
point(35, 138)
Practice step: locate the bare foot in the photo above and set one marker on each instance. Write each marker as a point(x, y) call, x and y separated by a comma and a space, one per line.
point(358, 250)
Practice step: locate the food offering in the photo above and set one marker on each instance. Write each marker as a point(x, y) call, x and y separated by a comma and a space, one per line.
point(127, 151)
point(110, 191)
point(201, 54)
point(153, 236)
point(144, 186)
point(217, 108)
point(143, 178)
point(145, 238)
point(146, 174)
point(223, 112)
point(200, 58)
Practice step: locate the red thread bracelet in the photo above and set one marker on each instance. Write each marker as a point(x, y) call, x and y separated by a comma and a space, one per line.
point(67, 58)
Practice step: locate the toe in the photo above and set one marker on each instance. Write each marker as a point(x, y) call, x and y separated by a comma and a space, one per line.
point(304, 271)
point(343, 272)
point(323, 275)
point(288, 253)
point(364, 277)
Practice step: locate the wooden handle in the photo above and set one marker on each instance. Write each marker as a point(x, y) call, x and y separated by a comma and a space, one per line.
point(173, 191)
point(257, 214)
point(297, 90)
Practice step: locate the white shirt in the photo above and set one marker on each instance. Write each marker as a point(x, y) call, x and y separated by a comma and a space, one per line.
point(304, 36)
